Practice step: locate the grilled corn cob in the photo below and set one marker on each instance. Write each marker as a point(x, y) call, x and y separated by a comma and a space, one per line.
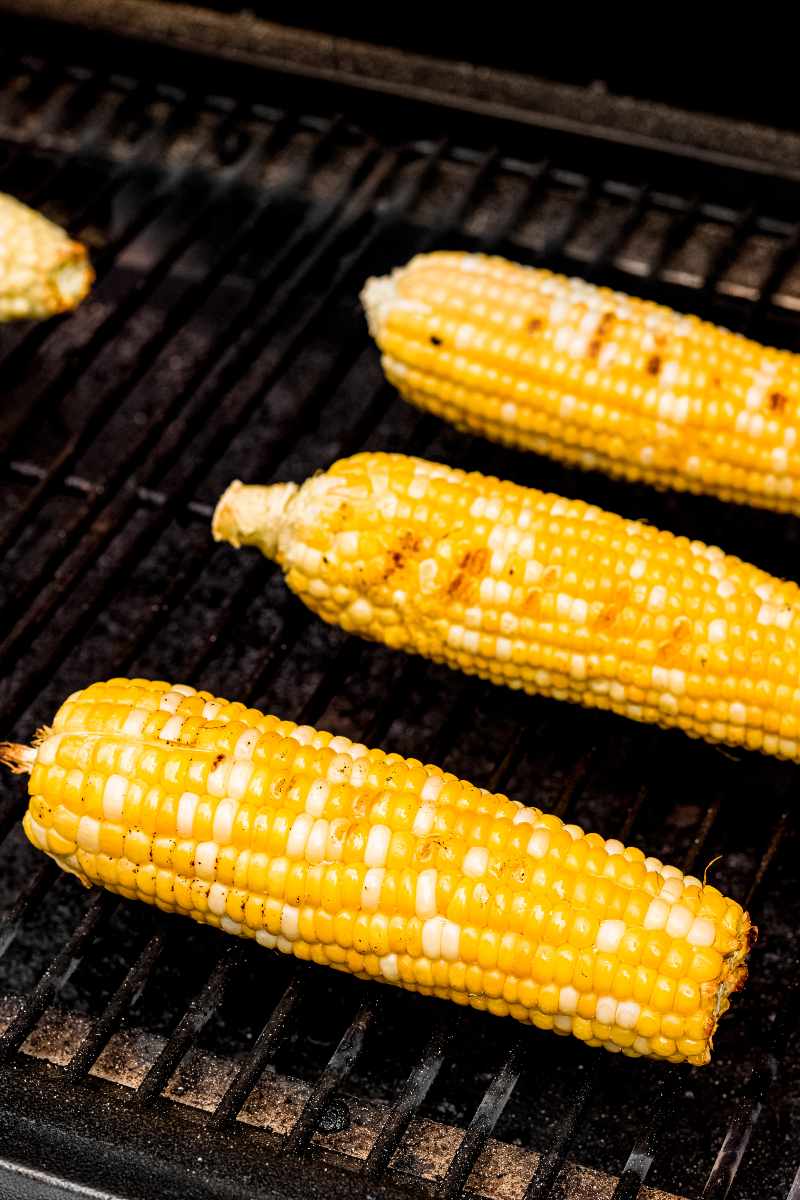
point(42, 271)
point(378, 865)
point(549, 595)
point(591, 377)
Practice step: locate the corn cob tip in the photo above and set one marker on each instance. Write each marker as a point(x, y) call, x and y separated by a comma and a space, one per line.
point(42, 270)
point(17, 758)
point(72, 277)
point(377, 296)
point(252, 515)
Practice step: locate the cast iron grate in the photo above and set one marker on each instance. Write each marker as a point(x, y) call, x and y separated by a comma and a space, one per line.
point(224, 339)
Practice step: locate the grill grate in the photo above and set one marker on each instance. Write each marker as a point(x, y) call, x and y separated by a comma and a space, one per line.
point(223, 338)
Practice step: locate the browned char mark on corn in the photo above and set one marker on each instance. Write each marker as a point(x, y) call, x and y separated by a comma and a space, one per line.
point(591, 377)
point(380, 866)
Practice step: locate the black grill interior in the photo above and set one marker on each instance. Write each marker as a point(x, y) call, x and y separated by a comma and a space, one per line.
point(224, 339)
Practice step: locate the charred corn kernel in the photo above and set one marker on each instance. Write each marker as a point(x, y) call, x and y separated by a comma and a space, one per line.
point(591, 377)
point(500, 924)
point(598, 610)
point(42, 271)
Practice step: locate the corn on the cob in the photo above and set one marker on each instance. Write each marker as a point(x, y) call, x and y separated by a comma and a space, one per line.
point(591, 377)
point(378, 865)
point(550, 595)
point(42, 271)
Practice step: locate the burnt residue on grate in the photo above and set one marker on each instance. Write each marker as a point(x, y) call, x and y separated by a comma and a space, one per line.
point(224, 338)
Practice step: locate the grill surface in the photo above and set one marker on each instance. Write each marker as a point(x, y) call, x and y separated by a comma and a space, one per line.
point(223, 338)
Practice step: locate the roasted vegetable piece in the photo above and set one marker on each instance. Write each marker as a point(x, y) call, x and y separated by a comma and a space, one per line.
point(537, 592)
point(591, 377)
point(378, 865)
point(42, 271)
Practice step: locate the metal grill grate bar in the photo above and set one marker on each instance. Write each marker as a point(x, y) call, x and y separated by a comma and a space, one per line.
point(56, 974)
point(108, 1022)
point(195, 1018)
point(482, 1125)
point(419, 1083)
point(339, 1066)
point(247, 1076)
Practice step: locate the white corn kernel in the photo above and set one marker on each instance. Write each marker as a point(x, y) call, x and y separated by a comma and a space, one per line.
point(539, 843)
point(290, 922)
point(679, 921)
point(172, 729)
point(377, 846)
point(657, 915)
point(88, 835)
point(317, 795)
point(187, 807)
point(298, 836)
point(371, 888)
point(217, 898)
point(114, 797)
point(246, 744)
point(224, 816)
point(627, 1014)
point(389, 968)
point(239, 778)
point(451, 941)
point(135, 722)
point(423, 821)
point(476, 860)
point(425, 900)
point(432, 937)
point(205, 860)
point(606, 1011)
point(317, 841)
point(701, 932)
point(568, 1000)
point(609, 935)
point(431, 787)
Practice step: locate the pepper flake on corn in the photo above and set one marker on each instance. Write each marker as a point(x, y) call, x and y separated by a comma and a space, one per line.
point(549, 595)
point(591, 377)
point(42, 271)
point(378, 865)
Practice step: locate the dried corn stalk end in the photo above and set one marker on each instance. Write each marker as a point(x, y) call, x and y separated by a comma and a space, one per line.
point(252, 515)
point(19, 759)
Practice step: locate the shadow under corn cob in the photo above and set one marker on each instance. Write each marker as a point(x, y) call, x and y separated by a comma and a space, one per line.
point(42, 271)
point(377, 865)
point(537, 592)
point(591, 377)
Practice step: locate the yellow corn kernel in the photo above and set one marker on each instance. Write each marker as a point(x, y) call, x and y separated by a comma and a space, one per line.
point(482, 906)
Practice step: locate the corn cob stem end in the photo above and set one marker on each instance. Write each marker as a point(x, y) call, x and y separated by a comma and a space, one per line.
point(72, 278)
point(252, 515)
point(19, 759)
point(377, 296)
